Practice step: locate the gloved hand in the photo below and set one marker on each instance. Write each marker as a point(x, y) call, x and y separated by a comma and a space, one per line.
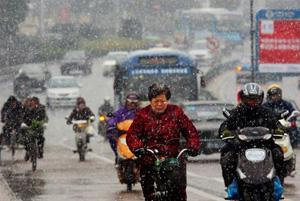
point(68, 122)
point(192, 152)
point(139, 152)
point(226, 134)
point(279, 132)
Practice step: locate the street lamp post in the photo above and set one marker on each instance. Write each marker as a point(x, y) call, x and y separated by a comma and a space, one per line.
point(252, 31)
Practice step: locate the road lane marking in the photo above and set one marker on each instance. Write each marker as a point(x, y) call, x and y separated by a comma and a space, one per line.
point(189, 188)
point(204, 194)
point(191, 174)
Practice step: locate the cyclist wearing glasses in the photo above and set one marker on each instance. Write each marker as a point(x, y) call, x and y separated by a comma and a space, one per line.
point(124, 113)
point(159, 126)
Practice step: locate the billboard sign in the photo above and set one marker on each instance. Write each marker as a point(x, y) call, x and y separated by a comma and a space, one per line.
point(278, 41)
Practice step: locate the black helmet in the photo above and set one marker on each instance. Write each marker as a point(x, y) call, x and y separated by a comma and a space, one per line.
point(274, 89)
point(132, 97)
point(252, 95)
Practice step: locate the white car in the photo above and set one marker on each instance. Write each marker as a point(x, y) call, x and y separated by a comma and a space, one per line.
point(201, 53)
point(112, 58)
point(62, 91)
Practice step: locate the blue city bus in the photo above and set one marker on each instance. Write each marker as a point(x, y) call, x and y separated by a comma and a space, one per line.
point(145, 67)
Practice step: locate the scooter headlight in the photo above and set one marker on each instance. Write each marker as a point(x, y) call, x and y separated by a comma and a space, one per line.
point(255, 155)
point(101, 118)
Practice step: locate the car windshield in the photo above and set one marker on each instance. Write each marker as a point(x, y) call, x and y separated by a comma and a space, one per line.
point(199, 112)
point(62, 83)
point(32, 70)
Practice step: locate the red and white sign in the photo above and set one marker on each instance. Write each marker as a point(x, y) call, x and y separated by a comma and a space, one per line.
point(279, 45)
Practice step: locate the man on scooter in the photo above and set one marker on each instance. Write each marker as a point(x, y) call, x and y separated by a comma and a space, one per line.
point(277, 104)
point(127, 112)
point(250, 113)
point(81, 112)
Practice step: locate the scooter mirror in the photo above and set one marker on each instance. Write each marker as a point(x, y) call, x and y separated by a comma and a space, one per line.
point(226, 113)
point(295, 113)
point(284, 114)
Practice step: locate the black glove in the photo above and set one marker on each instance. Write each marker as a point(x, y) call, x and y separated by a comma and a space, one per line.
point(69, 122)
point(139, 152)
point(192, 152)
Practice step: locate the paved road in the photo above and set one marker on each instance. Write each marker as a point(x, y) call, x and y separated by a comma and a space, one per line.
point(60, 176)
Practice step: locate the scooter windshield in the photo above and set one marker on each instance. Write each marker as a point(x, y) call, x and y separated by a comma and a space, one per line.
point(255, 133)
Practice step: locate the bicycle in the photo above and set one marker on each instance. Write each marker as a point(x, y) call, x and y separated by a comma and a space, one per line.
point(166, 177)
point(32, 134)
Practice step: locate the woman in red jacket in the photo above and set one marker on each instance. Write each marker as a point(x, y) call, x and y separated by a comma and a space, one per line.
point(159, 126)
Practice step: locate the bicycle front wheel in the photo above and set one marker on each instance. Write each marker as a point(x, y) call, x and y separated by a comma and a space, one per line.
point(33, 149)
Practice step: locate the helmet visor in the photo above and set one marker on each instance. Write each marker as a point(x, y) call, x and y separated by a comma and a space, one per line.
point(252, 101)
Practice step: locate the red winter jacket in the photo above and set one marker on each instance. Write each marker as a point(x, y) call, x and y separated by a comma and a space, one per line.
point(152, 130)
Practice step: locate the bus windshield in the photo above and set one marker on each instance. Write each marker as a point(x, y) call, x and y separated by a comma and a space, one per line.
point(181, 85)
point(141, 69)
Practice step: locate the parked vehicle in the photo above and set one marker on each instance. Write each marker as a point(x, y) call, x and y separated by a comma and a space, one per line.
point(128, 167)
point(62, 91)
point(76, 60)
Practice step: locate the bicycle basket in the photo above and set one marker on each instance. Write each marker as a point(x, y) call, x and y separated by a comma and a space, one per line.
point(172, 173)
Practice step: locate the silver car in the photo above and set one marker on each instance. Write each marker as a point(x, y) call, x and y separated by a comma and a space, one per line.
point(62, 91)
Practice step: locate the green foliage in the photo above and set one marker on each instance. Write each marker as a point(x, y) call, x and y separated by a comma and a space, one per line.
point(103, 46)
point(12, 13)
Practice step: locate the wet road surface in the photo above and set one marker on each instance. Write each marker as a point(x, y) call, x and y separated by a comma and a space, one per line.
point(60, 176)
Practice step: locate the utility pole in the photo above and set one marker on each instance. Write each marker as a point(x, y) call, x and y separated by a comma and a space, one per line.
point(42, 18)
point(252, 32)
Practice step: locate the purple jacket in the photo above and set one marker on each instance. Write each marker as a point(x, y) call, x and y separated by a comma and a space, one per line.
point(120, 115)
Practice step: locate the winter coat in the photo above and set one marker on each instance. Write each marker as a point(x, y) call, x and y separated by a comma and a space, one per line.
point(35, 114)
point(12, 116)
point(242, 116)
point(162, 132)
point(83, 114)
point(120, 115)
point(279, 106)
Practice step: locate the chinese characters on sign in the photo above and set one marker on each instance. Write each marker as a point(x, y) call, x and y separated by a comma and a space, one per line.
point(278, 41)
point(159, 71)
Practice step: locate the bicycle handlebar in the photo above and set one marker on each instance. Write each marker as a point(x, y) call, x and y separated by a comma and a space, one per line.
point(155, 152)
